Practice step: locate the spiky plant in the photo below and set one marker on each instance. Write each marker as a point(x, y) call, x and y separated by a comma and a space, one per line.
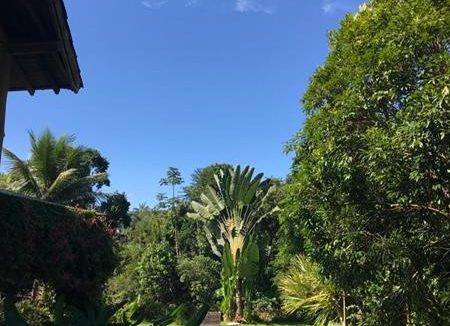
point(231, 208)
point(302, 288)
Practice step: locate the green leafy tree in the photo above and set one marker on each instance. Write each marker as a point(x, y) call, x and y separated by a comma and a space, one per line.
point(201, 274)
point(202, 178)
point(148, 265)
point(232, 207)
point(369, 185)
point(162, 201)
point(115, 207)
point(157, 273)
point(58, 171)
point(173, 178)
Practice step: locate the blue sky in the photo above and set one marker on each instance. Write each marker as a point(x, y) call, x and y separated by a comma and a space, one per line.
point(183, 83)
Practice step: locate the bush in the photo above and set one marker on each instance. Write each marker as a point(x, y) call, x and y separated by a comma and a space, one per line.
point(157, 273)
point(71, 250)
point(265, 309)
point(148, 270)
point(35, 313)
point(201, 274)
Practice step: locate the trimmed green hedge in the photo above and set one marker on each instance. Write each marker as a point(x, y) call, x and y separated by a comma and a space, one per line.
point(68, 248)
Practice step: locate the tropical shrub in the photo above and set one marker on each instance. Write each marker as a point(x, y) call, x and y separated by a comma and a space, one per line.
point(264, 309)
point(302, 288)
point(201, 275)
point(157, 273)
point(34, 313)
point(147, 273)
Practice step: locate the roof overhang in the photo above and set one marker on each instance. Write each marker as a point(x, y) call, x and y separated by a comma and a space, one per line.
point(37, 37)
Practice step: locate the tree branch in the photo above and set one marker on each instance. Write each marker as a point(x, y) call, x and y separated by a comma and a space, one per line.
point(418, 207)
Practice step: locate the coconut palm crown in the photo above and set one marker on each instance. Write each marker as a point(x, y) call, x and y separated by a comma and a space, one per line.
point(57, 170)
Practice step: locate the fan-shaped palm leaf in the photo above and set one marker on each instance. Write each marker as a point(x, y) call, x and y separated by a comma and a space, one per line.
point(302, 288)
point(230, 209)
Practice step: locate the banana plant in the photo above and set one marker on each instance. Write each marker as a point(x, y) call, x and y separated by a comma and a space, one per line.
point(230, 210)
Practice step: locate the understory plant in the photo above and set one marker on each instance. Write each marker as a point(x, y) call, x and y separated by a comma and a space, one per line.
point(303, 289)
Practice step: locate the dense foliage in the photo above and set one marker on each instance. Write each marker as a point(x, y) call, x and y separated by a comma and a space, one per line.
point(79, 244)
point(201, 275)
point(115, 207)
point(369, 188)
point(359, 233)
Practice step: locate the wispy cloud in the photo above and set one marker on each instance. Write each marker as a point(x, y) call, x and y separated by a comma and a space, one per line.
point(190, 3)
point(241, 6)
point(251, 6)
point(332, 6)
point(154, 4)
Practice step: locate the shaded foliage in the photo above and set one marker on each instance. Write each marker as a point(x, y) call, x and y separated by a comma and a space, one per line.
point(115, 207)
point(79, 244)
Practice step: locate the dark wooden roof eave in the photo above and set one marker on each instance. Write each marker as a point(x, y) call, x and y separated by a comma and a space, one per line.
point(39, 40)
point(68, 47)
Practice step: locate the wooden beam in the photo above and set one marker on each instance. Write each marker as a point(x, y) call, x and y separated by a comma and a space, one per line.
point(47, 67)
point(19, 68)
point(5, 73)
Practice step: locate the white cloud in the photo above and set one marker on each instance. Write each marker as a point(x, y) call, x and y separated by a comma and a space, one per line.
point(154, 4)
point(251, 6)
point(331, 6)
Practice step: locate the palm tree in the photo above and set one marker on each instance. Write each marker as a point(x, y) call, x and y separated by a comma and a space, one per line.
point(231, 209)
point(57, 170)
point(173, 178)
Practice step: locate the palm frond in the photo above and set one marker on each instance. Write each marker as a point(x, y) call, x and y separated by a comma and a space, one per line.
point(21, 176)
point(302, 288)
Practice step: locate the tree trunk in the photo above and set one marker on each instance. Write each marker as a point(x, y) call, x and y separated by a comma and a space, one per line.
point(175, 233)
point(407, 314)
point(35, 290)
point(239, 316)
point(344, 310)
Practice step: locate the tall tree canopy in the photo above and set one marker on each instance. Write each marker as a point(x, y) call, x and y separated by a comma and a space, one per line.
point(370, 180)
point(58, 171)
point(115, 207)
point(173, 178)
